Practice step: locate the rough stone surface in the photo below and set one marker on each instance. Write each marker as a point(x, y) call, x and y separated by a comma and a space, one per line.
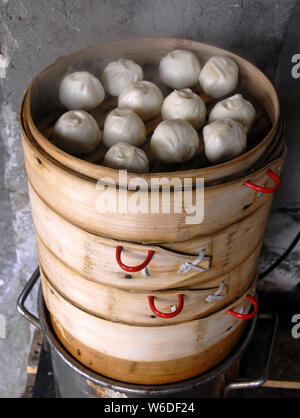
point(284, 221)
point(33, 34)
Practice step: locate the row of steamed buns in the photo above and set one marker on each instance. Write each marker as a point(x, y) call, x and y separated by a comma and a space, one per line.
point(175, 139)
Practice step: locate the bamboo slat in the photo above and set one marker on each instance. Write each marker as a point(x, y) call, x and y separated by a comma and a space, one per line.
point(145, 354)
point(94, 257)
point(127, 306)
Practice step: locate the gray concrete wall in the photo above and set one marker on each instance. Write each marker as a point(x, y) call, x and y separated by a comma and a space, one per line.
point(33, 34)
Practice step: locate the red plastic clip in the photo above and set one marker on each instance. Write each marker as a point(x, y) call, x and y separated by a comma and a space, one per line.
point(130, 269)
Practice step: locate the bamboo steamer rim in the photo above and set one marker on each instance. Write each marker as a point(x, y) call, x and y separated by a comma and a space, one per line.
point(96, 379)
point(194, 305)
point(94, 171)
point(231, 305)
point(132, 356)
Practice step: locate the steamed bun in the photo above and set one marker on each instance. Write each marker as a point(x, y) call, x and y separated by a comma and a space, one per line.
point(123, 156)
point(184, 104)
point(174, 141)
point(236, 108)
point(224, 140)
point(81, 91)
point(143, 97)
point(118, 74)
point(123, 125)
point(219, 76)
point(77, 132)
point(179, 69)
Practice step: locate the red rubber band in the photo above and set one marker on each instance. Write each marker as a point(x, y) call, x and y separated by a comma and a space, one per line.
point(249, 315)
point(262, 189)
point(166, 315)
point(130, 269)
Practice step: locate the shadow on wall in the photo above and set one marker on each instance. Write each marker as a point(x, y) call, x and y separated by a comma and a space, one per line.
point(288, 86)
point(284, 223)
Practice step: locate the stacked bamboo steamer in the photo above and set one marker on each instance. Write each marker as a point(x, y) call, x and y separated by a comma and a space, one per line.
point(148, 298)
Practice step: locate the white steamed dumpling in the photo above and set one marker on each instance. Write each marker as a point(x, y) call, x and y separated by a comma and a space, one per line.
point(179, 69)
point(81, 90)
point(124, 156)
point(174, 141)
point(77, 132)
point(184, 104)
point(236, 108)
point(224, 140)
point(143, 97)
point(118, 74)
point(123, 125)
point(219, 76)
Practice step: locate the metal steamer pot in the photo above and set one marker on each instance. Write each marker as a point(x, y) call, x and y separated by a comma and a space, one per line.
point(73, 380)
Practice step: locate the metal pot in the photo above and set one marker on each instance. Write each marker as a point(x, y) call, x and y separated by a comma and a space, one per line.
point(73, 380)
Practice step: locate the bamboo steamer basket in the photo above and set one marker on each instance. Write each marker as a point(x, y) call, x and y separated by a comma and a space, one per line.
point(41, 106)
point(103, 315)
point(76, 197)
point(134, 307)
point(93, 257)
point(146, 354)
